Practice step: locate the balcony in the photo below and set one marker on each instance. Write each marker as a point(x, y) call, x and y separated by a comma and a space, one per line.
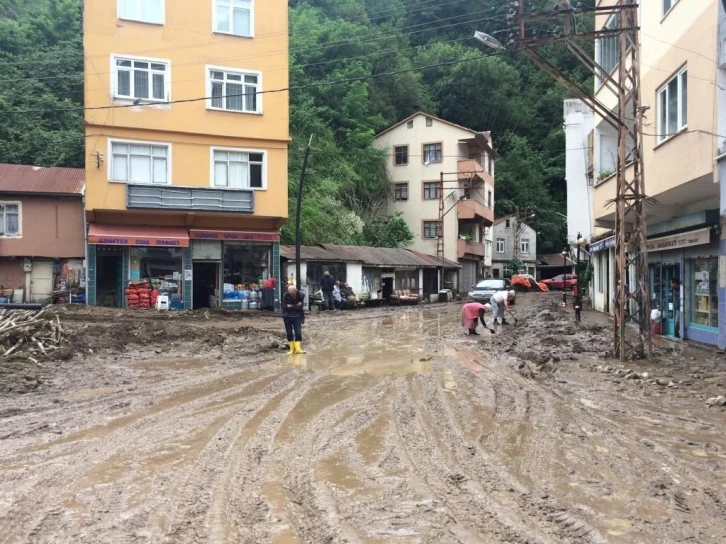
point(189, 199)
point(471, 170)
point(466, 249)
point(473, 210)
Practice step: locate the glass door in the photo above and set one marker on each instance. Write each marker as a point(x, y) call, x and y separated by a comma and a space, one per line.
point(672, 299)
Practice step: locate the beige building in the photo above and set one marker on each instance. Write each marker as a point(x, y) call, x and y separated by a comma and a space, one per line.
point(422, 148)
point(682, 62)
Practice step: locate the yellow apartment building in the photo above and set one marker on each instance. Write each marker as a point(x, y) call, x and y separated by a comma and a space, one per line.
point(682, 50)
point(187, 131)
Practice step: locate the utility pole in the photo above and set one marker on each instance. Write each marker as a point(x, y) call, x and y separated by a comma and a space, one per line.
point(632, 304)
point(298, 211)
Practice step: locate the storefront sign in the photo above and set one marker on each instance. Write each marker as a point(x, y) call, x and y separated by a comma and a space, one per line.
point(678, 241)
point(137, 241)
point(234, 236)
point(607, 243)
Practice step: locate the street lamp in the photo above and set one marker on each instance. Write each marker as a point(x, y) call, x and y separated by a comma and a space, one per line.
point(489, 41)
point(578, 297)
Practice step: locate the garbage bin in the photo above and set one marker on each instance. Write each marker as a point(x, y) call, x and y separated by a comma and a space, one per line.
point(445, 295)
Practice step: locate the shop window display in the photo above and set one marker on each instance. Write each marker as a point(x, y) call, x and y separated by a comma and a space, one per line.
point(154, 271)
point(246, 265)
point(702, 291)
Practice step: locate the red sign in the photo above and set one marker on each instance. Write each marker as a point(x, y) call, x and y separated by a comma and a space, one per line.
point(234, 236)
point(137, 241)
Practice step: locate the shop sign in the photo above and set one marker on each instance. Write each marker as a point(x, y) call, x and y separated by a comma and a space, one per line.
point(607, 243)
point(234, 236)
point(678, 241)
point(135, 241)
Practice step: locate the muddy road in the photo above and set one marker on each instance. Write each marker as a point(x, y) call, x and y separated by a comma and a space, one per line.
point(394, 428)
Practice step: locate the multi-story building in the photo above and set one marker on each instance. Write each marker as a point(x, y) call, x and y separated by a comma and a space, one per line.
point(515, 247)
point(683, 58)
point(579, 122)
point(424, 150)
point(186, 144)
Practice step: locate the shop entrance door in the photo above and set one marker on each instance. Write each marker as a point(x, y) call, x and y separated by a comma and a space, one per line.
point(672, 299)
point(205, 284)
point(110, 283)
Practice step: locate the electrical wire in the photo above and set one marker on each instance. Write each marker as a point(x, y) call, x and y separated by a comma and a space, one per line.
point(287, 89)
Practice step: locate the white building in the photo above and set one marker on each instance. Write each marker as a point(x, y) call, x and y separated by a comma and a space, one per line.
point(579, 125)
point(514, 240)
point(424, 150)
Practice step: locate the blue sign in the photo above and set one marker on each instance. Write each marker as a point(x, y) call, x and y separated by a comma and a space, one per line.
point(607, 243)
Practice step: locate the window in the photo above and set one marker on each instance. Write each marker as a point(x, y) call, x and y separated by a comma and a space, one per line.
point(145, 11)
point(431, 190)
point(500, 245)
point(508, 223)
point(238, 169)
point(145, 79)
point(673, 106)
point(608, 53)
point(489, 199)
point(429, 122)
point(401, 154)
point(234, 17)
point(431, 153)
point(9, 218)
point(525, 246)
point(234, 91)
point(431, 230)
point(667, 5)
point(138, 162)
point(410, 124)
point(400, 192)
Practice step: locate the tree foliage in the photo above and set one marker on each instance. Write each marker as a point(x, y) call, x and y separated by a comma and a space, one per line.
point(340, 50)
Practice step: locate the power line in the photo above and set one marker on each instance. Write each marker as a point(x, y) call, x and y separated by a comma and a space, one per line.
point(287, 89)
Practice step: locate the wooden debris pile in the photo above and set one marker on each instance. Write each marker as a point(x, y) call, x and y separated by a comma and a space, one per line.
point(29, 334)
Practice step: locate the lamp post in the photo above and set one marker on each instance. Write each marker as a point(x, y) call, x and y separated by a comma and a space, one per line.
point(578, 298)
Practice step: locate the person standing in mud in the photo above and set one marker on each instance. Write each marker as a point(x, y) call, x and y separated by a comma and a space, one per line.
point(327, 285)
point(293, 315)
point(472, 312)
point(500, 304)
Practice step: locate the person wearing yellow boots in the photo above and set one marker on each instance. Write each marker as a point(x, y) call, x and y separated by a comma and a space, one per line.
point(293, 314)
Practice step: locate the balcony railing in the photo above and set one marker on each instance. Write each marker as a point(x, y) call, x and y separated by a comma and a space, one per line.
point(189, 198)
point(471, 170)
point(472, 210)
point(469, 249)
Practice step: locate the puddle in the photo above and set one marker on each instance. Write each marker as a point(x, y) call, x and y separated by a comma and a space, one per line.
point(88, 394)
point(449, 382)
point(172, 364)
point(336, 472)
point(384, 367)
point(371, 440)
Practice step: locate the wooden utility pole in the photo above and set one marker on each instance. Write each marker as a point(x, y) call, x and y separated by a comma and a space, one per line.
point(632, 304)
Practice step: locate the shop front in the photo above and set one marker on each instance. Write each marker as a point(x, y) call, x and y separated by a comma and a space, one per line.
point(684, 284)
point(130, 266)
point(231, 266)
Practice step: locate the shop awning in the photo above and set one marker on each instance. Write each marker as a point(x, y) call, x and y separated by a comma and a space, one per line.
point(129, 235)
point(234, 235)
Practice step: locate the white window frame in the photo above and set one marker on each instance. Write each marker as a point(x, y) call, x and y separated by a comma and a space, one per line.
point(121, 17)
point(169, 162)
point(265, 159)
point(667, 11)
point(114, 79)
point(231, 20)
point(237, 71)
point(524, 244)
point(19, 204)
point(612, 23)
point(663, 134)
point(501, 245)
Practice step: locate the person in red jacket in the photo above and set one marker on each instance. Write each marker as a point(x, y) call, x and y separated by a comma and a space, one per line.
point(472, 312)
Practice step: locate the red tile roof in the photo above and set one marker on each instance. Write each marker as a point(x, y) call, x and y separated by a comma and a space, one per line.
point(24, 179)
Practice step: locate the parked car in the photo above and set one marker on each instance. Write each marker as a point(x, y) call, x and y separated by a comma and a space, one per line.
point(483, 291)
point(563, 281)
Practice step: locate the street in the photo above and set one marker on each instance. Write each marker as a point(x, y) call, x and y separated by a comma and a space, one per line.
point(395, 427)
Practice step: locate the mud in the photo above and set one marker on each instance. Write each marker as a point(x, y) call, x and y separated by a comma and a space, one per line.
point(394, 428)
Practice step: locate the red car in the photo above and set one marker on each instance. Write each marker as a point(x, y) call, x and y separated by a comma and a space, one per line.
point(566, 281)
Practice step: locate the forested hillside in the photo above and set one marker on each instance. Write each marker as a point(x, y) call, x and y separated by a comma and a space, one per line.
point(341, 54)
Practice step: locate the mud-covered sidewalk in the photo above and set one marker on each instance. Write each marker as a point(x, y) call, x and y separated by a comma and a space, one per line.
point(394, 428)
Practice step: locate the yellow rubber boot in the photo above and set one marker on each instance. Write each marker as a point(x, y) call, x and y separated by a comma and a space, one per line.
point(298, 347)
point(292, 348)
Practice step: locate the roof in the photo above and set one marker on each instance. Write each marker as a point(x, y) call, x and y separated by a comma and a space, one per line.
point(371, 256)
point(407, 119)
point(554, 259)
point(26, 179)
